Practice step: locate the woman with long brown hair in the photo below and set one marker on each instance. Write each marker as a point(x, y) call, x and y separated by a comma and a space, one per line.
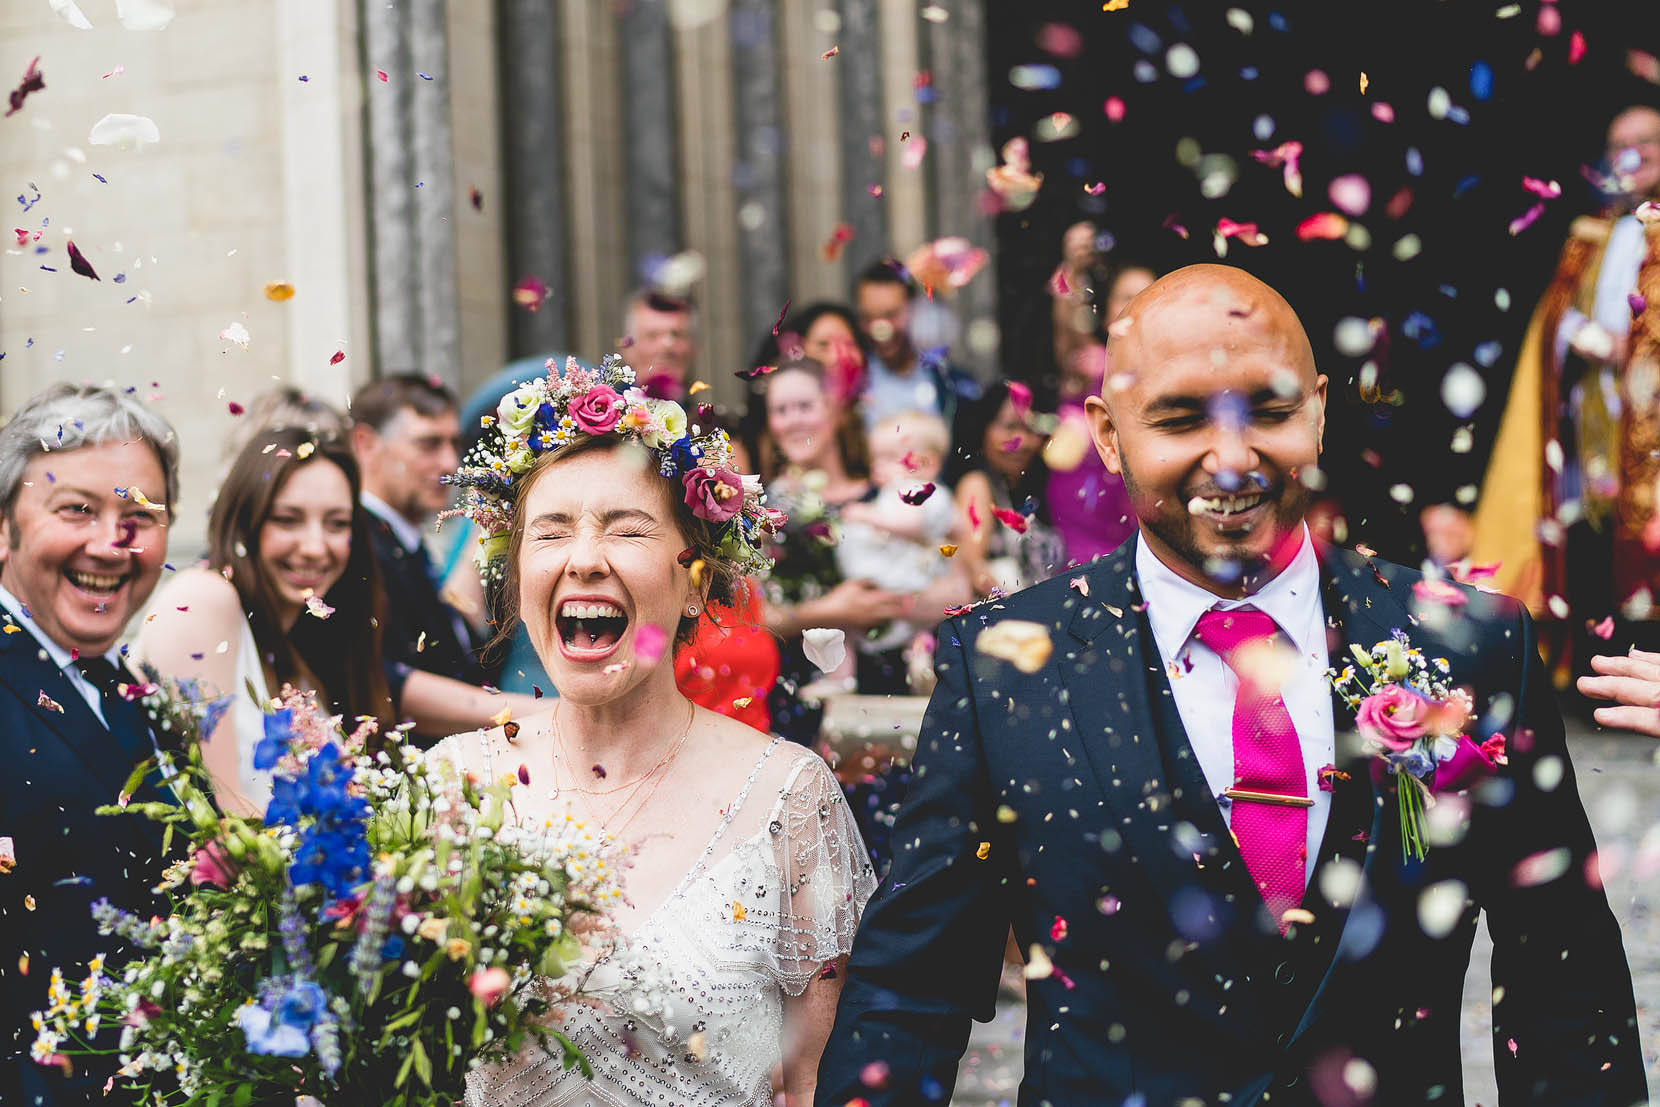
point(289, 596)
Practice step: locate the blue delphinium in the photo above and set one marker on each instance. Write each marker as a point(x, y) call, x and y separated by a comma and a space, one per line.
point(279, 728)
point(333, 851)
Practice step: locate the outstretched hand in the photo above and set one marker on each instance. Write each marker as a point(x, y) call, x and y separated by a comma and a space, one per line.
point(1632, 682)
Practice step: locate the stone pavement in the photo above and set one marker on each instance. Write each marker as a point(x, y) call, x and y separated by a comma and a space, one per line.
point(1619, 780)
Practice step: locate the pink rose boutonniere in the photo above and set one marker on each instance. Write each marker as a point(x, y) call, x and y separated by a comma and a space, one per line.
point(713, 494)
point(1412, 717)
point(597, 410)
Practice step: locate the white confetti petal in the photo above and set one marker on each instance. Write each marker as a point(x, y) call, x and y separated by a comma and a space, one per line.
point(71, 14)
point(1440, 906)
point(825, 648)
point(143, 15)
point(236, 333)
point(124, 131)
point(1463, 390)
point(1023, 644)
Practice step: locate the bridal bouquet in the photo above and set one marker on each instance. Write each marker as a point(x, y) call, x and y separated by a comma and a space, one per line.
point(384, 929)
point(1415, 721)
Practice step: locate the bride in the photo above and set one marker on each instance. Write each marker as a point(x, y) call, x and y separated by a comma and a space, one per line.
point(615, 529)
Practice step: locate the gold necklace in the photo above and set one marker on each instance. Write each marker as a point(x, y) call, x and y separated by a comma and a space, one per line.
point(635, 785)
point(559, 755)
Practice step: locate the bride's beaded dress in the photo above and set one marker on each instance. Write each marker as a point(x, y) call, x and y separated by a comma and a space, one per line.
point(694, 1014)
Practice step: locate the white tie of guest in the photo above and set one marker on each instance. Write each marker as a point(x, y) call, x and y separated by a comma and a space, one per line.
point(695, 1014)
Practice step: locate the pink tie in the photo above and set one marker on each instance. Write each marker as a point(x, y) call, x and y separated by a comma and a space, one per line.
point(1267, 761)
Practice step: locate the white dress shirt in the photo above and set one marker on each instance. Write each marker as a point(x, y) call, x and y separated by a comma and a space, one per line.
point(60, 656)
point(1204, 687)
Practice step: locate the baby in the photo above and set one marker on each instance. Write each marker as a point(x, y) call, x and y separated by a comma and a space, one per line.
point(893, 540)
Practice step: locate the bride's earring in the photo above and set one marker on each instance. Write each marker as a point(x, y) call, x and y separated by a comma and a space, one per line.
point(691, 611)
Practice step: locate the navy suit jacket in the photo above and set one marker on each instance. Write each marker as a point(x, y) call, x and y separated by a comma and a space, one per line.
point(59, 766)
point(419, 628)
point(1068, 803)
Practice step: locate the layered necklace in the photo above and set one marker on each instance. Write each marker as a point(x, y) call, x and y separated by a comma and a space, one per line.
point(655, 775)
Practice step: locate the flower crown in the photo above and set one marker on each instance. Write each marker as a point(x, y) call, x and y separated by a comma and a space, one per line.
point(557, 410)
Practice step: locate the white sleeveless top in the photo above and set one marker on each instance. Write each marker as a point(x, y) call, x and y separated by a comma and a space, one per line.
point(696, 1011)
point(248, 719)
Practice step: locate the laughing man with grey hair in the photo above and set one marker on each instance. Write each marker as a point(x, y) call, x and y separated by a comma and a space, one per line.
point(88, 478)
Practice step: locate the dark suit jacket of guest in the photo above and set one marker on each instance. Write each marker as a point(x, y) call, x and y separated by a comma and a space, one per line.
point(1069, 803)
point(413, 608)
point(59, 767)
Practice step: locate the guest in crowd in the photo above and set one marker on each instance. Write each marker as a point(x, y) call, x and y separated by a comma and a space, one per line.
point(290, 595)
point(999, 476)
point(282, 406)
point(1447, 536)
point(1088, 504)
point(1073, 316)
point(895, 540)
point(1597, 323)
point(406, 436)
point(83, 540)
point(659, 341)
point(827, 333)
point(814, 461)
point(900, 377)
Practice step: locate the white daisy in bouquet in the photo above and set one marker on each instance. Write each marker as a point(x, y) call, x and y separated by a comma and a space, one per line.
point(387, 927)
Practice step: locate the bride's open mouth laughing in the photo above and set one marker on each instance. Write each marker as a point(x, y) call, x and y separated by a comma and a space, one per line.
point(590, 629)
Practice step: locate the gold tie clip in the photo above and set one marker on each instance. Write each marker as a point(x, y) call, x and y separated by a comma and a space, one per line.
point(1268, 797)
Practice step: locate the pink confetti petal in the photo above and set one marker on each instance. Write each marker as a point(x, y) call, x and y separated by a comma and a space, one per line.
point(1549, 190)
point(1576, 47)
point(1525, 220)
point(1604, 629)
point(649, 641)
point(1021, 396)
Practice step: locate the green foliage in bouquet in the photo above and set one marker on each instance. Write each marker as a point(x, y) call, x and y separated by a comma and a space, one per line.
point(384, 929)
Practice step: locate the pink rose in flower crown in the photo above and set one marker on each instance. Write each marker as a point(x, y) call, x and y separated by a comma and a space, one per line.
point(714, 494)
point(597, 410)
point(1394, 716)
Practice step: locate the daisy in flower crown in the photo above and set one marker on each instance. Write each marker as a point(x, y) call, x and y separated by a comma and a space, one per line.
point(544, 417)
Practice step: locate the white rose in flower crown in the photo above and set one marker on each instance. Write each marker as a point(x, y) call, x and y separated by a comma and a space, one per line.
point(517, 411)
point(671, 417)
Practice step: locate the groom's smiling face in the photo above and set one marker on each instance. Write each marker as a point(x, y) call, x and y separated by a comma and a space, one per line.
point(1213, 413)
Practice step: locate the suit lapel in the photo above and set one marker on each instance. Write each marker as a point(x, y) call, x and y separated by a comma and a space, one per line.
point(109, 753)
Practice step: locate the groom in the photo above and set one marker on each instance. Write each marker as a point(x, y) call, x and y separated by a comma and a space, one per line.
point(1211, 883)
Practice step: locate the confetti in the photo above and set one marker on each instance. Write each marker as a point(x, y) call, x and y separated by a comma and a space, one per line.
point(1322, 225)
point(946, 550)
point(831, 249)
point(278, 291)
point(1284, 157)
point(1038, 965)
point(124, 131)
point(1114, 6)
point(510, 729)
point(1079, 585)
point(1014, 520)
point(1604, 629)
point(984, 851)
point(825, 647)
point(78, 262)
point(380, 75)
point(1057, 930)
point(738, 912)
point(501, 717)
point(33, 81)
point(742, 702)
point(43, 700)
point(649, 641)
point(917, 494)
point(1021, 643)
point(1013, 183)
point(8, 855)
point(236, 333)
point(316, 608)
point(234, 408)
point(530, 292)
point(830, 53)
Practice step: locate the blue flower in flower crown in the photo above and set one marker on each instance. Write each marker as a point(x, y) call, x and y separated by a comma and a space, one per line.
point(685, 455)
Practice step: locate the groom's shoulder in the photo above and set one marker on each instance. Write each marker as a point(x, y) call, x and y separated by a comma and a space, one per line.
point(1471, 618)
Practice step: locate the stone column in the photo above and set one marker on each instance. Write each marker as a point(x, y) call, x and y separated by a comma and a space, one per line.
point(648, 134)
point(763, 238)
point(534, 153)
point(436, 302)
point(959, 147)
point(394, 252)
point(863, 133)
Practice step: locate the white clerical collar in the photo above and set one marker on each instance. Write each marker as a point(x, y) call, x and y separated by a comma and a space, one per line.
point(1175, 603)
point(407, 533)
point(61, 657)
